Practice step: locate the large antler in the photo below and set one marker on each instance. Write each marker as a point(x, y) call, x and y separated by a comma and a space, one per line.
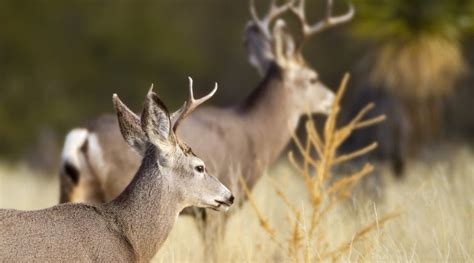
point(327, 22)
point(189, 106)
point(259, 38)
point(273, 12)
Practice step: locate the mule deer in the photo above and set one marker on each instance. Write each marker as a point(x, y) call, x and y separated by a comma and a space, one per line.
point(241, 140)
point(392, 137)
point(133, 226)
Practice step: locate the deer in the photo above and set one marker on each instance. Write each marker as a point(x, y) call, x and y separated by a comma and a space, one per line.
point(240, 140)
point(133, 226)
point(393, 137)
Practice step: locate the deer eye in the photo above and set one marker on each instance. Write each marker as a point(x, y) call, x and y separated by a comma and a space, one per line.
point(199, 169)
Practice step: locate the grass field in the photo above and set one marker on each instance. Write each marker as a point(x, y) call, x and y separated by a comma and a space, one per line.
point(436, 200)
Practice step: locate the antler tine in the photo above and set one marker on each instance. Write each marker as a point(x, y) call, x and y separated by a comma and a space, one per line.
point(190, 105)
point(273, 12)
point(195, 103)
point(327, 22)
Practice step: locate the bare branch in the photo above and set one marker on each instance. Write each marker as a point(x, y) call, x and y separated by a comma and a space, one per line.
point(369, 122)
point(360, 152)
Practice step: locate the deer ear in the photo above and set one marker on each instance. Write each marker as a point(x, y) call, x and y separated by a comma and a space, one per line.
point(130, 126)
point(155, 120)
point(259, 49)
point(284, 47)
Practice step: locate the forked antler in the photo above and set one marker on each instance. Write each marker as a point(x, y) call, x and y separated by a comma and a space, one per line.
point(190, 105)
point(327, 22)
point(273, 12)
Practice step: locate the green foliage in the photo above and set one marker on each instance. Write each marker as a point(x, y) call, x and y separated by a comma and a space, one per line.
point(388, 20)
point(418, 52)
point(60, 61)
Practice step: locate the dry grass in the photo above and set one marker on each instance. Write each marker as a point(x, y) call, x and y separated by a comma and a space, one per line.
point(22, 188)
point(437, 223)
point(303, 217)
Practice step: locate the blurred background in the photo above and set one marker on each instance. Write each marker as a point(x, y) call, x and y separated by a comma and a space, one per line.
point(60, 61)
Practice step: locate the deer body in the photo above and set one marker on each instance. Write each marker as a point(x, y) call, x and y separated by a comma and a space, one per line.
point(244, 139)
point(240, 140)
point(53, 234)
point(255, 131)
point(129, 228)
point(133, 226)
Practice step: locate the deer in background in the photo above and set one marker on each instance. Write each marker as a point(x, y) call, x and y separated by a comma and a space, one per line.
point(240, 140)
point(132, 227)
point(392, 136)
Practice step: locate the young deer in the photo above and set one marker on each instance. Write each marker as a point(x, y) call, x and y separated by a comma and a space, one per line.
point(133, 226)
point(241, 140)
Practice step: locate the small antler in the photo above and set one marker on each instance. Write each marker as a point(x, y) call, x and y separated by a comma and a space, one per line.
point(327, 22)
point(190, 105)
point(273, 12)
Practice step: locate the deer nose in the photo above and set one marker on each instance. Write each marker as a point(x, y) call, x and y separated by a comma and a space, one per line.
point(231, 199)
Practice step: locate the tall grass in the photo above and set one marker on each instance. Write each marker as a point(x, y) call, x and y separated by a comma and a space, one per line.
point(23, 188)
point(305, 217)
point(436, 224)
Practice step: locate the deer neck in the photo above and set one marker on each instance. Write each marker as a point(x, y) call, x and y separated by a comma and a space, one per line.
point(270, 114)
point(147, 209)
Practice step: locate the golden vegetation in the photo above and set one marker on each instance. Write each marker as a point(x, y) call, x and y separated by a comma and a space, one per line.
point(436, 224)
point(306, 241)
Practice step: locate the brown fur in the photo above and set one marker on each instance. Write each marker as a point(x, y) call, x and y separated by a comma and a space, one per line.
point(242, 140)
point(254, 134)
point(133, 226)
point(130, 228)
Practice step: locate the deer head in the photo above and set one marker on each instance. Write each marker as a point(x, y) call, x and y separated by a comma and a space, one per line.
point(154, 134)
point(267, 46)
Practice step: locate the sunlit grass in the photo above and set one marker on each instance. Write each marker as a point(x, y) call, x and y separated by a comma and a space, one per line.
point(23, 188)
point(436, 224)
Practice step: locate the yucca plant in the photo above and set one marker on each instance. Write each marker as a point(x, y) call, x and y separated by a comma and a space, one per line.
point(418, 51)
point(418, 54)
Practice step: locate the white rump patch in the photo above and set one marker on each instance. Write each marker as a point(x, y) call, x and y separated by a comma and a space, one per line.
point(75, 139)
point(96, 157)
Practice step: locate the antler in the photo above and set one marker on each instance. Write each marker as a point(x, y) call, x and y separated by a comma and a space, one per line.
point(273, 12)
point(327, 22)
point(190, 105)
